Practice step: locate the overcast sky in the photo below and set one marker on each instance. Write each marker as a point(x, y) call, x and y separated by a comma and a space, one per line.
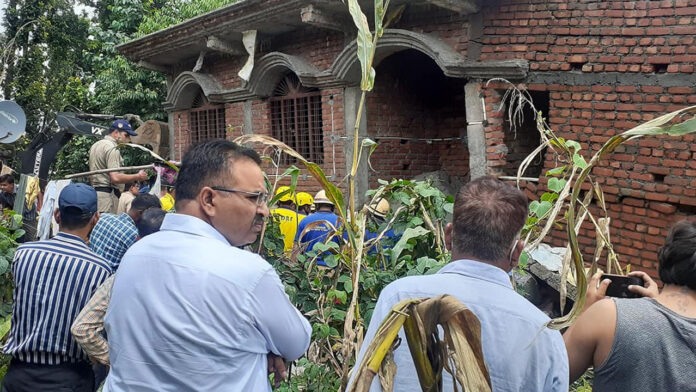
point(3, 4)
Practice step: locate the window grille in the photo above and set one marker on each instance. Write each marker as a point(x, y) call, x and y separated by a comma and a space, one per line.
point(206, 121)
point(296, 119)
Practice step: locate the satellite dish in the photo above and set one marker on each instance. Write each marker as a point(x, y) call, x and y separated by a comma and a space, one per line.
point(13, 121)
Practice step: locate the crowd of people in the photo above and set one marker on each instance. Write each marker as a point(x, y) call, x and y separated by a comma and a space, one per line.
point(157, 301)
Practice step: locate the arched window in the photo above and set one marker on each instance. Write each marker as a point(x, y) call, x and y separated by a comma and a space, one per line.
point(206, 120)
point(296, 119)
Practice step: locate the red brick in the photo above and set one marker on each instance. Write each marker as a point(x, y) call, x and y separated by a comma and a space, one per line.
point(664, 208)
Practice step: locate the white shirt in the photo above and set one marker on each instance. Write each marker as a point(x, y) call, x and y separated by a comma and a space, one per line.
point(521, 353)
point(189, 312)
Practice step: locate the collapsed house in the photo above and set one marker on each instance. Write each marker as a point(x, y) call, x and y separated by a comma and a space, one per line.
point(288, 69)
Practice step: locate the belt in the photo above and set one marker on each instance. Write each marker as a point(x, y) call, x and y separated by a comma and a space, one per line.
point(106, 189)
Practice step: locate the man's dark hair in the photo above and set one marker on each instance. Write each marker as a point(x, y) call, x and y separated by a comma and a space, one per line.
point(72, 218)
point(207, 161)
point(150, 222)
point(8, 178)
point(145, 201)
point(678, 256)
point(488, 214)
point(128, 186)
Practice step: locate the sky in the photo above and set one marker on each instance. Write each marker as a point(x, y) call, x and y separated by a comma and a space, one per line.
point(3, 4)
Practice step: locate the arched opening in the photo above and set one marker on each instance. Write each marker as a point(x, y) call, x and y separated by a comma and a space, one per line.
point(296, 118)
point(418, 117)
point(206, 120)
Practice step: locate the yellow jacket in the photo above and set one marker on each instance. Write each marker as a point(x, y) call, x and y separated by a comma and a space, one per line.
point(289, 220)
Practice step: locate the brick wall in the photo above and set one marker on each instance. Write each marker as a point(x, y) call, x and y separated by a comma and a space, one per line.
point(417, 117)
point(607, 66)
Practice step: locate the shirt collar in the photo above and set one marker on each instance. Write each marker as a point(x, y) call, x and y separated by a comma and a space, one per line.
point(191, 225)
point(127, 218)
point(478, 270)
point(70, 238)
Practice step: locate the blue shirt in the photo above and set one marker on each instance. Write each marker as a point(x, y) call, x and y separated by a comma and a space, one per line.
point(318, 232)
point(112, 236)
point(190, 312)
point(54, 279)
point(520, 352)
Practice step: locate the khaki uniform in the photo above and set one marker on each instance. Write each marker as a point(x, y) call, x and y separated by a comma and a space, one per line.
point(104, 154)
point(125, 201)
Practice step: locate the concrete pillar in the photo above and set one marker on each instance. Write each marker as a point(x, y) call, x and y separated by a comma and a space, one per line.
point(476, 137)
point(248, 123)
point(351, 101)
point(171, 122)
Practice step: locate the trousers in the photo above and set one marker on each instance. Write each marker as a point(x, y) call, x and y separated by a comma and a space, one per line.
point(64, 377)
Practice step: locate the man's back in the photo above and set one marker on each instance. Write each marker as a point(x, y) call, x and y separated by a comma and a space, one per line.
point(124, 202)
point(103, 154)
point(289, 221)
point(520, 352)
point(112, 236)
point(317, 232)
point(646, 329)
point(185, 314)
point(54, 279)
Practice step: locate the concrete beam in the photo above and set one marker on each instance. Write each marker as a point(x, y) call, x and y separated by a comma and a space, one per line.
point(476, 137)
point(612, 78)
point(314, 16)
point(153, 67)
point(199, 62)
point(462, 7)
point(351, 104)
point(219, 45)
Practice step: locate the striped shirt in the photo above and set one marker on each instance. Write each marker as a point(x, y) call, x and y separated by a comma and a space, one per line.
point(54, 279)
point(112, 236)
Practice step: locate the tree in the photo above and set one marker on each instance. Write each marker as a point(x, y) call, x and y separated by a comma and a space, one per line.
point(44, 67)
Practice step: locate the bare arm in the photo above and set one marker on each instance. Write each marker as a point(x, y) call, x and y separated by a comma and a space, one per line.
point(586, 339)
point(122, 178)
point(88, 327)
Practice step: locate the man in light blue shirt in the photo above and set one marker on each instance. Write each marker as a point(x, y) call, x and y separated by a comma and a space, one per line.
point(190, 310)
point(520, 352)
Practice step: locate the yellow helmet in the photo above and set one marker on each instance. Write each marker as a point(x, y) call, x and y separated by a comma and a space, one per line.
point(304, 198)
point(287, 194)
point(379, 208)
point(320, 198)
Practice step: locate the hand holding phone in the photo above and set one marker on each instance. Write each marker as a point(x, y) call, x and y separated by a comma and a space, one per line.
point(619, 285)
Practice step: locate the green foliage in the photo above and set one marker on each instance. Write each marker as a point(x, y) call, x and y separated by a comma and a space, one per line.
point(74, 157)
point(584, 383)
point(10, 231)
point(44, 62)
point(323, 294)
point(176, 11)
point(311, 377)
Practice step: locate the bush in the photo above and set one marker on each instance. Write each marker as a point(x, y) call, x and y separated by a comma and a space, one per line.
point(323, 294)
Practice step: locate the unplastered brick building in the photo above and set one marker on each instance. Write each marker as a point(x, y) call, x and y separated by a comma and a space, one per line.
point(288, 69)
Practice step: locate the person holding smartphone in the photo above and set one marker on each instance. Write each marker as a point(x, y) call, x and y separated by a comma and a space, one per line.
point(642, 344)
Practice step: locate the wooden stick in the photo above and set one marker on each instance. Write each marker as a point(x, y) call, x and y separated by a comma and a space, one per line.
point(512, 178)
point(128, 168)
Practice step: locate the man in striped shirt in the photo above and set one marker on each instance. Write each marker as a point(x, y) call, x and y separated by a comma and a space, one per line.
point(54, 279)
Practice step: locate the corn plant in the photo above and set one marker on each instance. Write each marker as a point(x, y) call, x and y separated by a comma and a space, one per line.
point(568, 180)
point(333, 297)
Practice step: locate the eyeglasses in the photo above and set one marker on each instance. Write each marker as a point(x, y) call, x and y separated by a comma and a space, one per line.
point(259, 198)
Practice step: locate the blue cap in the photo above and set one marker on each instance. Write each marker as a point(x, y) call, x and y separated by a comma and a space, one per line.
point(123, 126)
point(78, 199)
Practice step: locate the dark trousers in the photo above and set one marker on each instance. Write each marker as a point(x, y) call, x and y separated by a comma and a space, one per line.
point(65, 377)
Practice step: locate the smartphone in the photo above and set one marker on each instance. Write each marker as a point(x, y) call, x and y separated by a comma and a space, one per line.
point(619, 285)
